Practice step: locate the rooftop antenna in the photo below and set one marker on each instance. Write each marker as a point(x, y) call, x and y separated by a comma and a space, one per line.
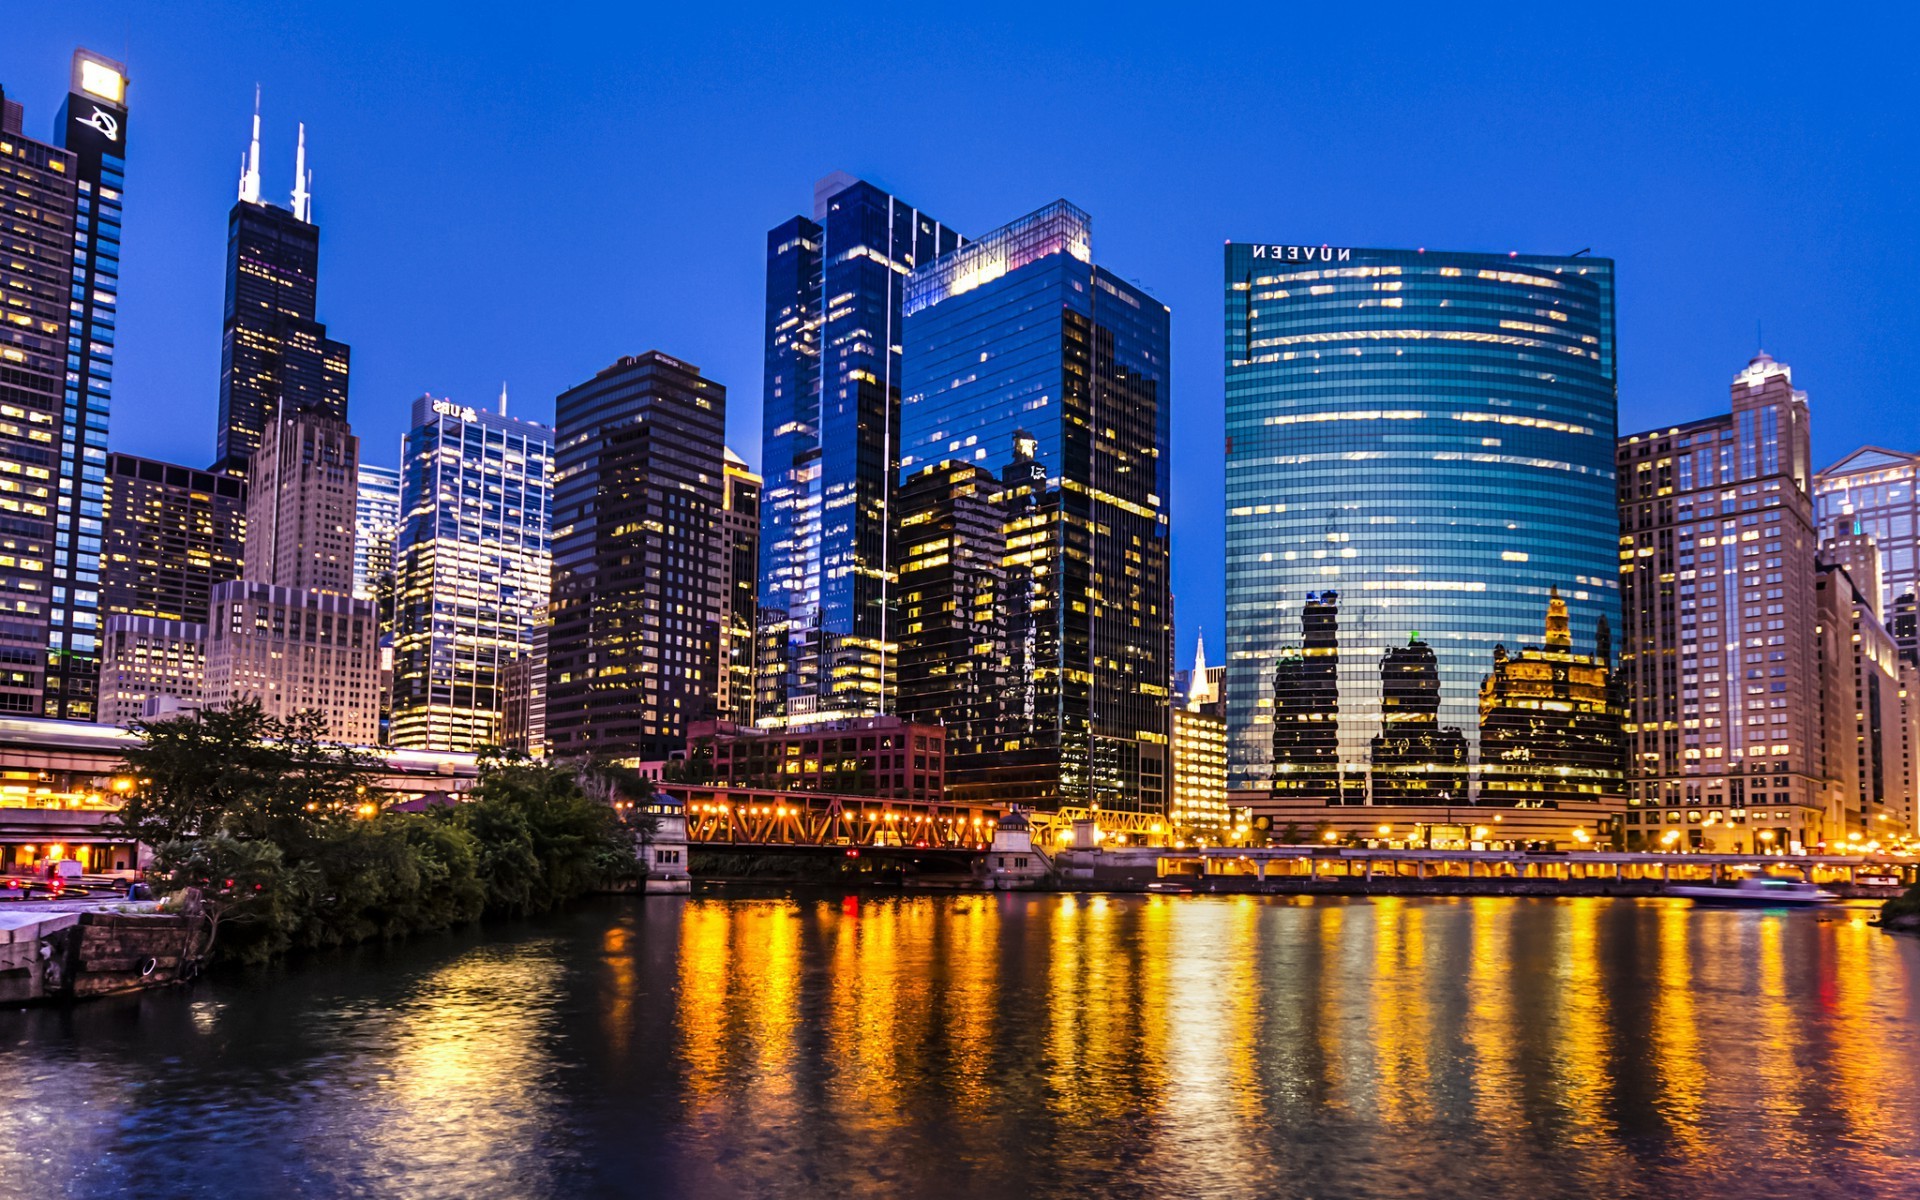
point(250, 165)
point(302, 193)
point(503, 397)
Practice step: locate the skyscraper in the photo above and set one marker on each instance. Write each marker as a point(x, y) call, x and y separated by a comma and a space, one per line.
point(638, 492)
point(60, 224)
point(740, 554)
point(1430, 435)
point(376, 522)
point(1872, 493)
point(831, 447)
point(1733, 657)
point(470, 570)
point(1026, 358)
point(303, 484)
point(275, 357)
point(173, 533)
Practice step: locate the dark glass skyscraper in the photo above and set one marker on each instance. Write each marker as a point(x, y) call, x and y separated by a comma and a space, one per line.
point(275, 357)
point(638, 570)
point(1026, 359)
point(60, 208)
point(830, 448)
point(1430, 434)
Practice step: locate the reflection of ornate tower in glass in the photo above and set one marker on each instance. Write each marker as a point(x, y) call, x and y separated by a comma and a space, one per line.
point(1306, 707)
point(1550, 722)
point(1414, 759)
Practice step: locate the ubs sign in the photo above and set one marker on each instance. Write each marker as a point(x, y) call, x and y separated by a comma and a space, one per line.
point(448, 408)
point(1304, 253)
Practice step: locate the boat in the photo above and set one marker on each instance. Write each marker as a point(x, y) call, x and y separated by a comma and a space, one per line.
point(1761, 892)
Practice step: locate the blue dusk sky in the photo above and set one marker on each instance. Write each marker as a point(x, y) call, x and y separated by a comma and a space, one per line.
point(524, 192)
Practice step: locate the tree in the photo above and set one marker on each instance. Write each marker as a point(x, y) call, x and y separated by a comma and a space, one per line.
point(223, 880)
point(191, 773)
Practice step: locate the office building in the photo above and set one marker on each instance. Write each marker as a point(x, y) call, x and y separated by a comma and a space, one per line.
point(470, 570)
point(740, 558)
point(1734, 661)
point(638, 489)
point(296, 650)
point(172, 534)
point(303, 482)
point(149, 666)
point(1198, 809)
point(831, 446)
point(1875, 724)
point(1027, 360)
point(275, 356)
point(885, 757)
point(953, 611)
point(1871, 493)
point(376, 523)
point(523, 692)
point(1419, 453)
point(60, 226)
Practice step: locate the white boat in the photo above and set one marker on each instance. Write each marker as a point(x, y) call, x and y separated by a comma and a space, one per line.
point(1762, 892)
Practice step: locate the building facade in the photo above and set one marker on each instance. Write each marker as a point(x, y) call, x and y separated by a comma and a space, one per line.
point(1198, 810)
point(296, 650)
point(638, 595)
point(1879, 731)
point(1871, 493)
point(1733, 660)
point(523, 690)
point(1026, 359)
point(884, 757)
point(173, 534)
point(376, 524)
point(302, 488)
point(1419, 453)
point(831, 447)
point(145, 661)
point(739, 619)
point(470, 573)
point(275, 356)
point(60, 226)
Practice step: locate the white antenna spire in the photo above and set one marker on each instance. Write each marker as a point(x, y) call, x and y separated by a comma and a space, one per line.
point(302, 195)
point(250, 173)
point(503, 397)
point(1198, 690)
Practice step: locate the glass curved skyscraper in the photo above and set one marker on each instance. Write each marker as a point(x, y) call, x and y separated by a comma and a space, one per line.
point(1419, 462)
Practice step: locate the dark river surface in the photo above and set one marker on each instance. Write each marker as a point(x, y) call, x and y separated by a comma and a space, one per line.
point(819, 1044)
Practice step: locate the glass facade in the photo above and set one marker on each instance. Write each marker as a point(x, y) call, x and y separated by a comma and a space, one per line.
point(1872, 493)
point(1419, 458)
point(830, 448)
point(1050, 375)
point(376, 523)
point(93, 126)
point(471, 569)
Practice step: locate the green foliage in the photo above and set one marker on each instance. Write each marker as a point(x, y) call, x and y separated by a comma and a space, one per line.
point(273, 833)
point(1907, 904)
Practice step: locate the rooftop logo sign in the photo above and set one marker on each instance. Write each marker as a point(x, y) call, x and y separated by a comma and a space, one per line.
point(1304, 253)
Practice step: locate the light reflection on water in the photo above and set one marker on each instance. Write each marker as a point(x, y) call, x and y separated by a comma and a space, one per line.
point(1008, 1045)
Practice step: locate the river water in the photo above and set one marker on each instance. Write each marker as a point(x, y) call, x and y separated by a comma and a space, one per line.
point(1003, 1046)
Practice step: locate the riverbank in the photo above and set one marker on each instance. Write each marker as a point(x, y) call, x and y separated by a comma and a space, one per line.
point(80, 952)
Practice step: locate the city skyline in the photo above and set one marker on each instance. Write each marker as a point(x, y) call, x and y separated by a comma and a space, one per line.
point(1769, 171)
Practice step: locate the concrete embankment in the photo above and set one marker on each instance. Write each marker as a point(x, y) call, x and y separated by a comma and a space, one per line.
point(75, 955)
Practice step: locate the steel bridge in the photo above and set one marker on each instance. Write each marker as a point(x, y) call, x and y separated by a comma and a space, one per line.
point(727, 816)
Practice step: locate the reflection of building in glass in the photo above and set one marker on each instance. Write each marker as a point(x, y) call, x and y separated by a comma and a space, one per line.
point(1550, 723)
point(831, 447)
point(1872, 493)
point(1429, 433)
point(1414, 759)
point(1022, 353)
point(1306, 707)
